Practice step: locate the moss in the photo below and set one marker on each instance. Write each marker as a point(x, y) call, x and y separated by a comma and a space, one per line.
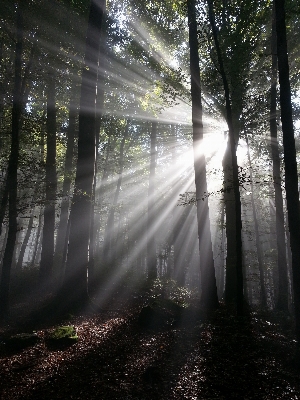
point(64, 332)
point(62, 336)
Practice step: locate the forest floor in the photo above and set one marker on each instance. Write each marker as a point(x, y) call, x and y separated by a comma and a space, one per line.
point(119, 355)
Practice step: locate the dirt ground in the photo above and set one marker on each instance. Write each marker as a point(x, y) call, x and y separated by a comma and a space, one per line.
point(118, 356)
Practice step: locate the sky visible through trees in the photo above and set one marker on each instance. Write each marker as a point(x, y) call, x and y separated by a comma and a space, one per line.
point(149, 144)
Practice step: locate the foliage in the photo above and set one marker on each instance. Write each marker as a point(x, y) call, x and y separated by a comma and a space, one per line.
point(63, 332)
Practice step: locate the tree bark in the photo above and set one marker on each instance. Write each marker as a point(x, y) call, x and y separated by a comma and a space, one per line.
point(25, 241)
point(65, 203)
point(46, 265)
point(13, 170)
point(290, 162)
point(75, 281)
point(239, 290)
point(263, 296)
point(209, 294)
point(151, 245)
point(108, 253)
point(282, 297)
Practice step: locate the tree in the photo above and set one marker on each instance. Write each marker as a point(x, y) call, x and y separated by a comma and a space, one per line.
point(282, 298)
point(290, 162)
point(46, 265)
point(151, 246)
point(75, 286)
point(234, 284)
point(66, 190)
point(12, 176)
point(109, 252)
point(208, 280)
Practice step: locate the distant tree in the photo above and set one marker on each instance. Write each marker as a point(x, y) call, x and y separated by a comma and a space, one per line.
point(109, 251)
point(151, 246)
point(257, 239)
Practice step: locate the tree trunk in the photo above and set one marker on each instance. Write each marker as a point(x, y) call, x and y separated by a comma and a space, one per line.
point(47, 254)
point(13, 171)
point(263, 296)
point(208, 279)
point(24, 93)
point(151, 245)
point(4, 201)
point(95, 220)
point(75, 281)
point(65, 203)
point(290, 163)
point(282, 298)
point(239, 291)
point(25, 241)
point(109, 254)
point(229, 204)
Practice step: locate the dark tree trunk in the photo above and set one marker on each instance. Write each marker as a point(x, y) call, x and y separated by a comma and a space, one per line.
point(229, 203)
point(65, 202)
point(75, 282)
point(290, 163)
point(239, 291)
point(99, 196)
point(282, 298)
point(95, 220)
point(208, 279)
point(4, 201)
point(47, 254)
point(24, 93)
point(151, 245)
point(13, 171)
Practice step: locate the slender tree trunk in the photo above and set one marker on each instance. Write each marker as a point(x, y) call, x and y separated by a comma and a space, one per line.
point(46, 266)
point(75, 282)
point(229, 204)
point(151, 245)
point(208, 279)
point(221, 249)
point(13, 171)
point(99, 196)
point(35, 255)
point(3, 88)
point(65, 203)
point(95, 220)
point(25, 241)
point(239, 292)
point(290, 163)
point(4, 201)
point(282, 298)
point(263, 296)
point(109, 231)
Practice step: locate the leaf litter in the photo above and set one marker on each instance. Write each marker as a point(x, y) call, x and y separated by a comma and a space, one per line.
point(220, 357)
